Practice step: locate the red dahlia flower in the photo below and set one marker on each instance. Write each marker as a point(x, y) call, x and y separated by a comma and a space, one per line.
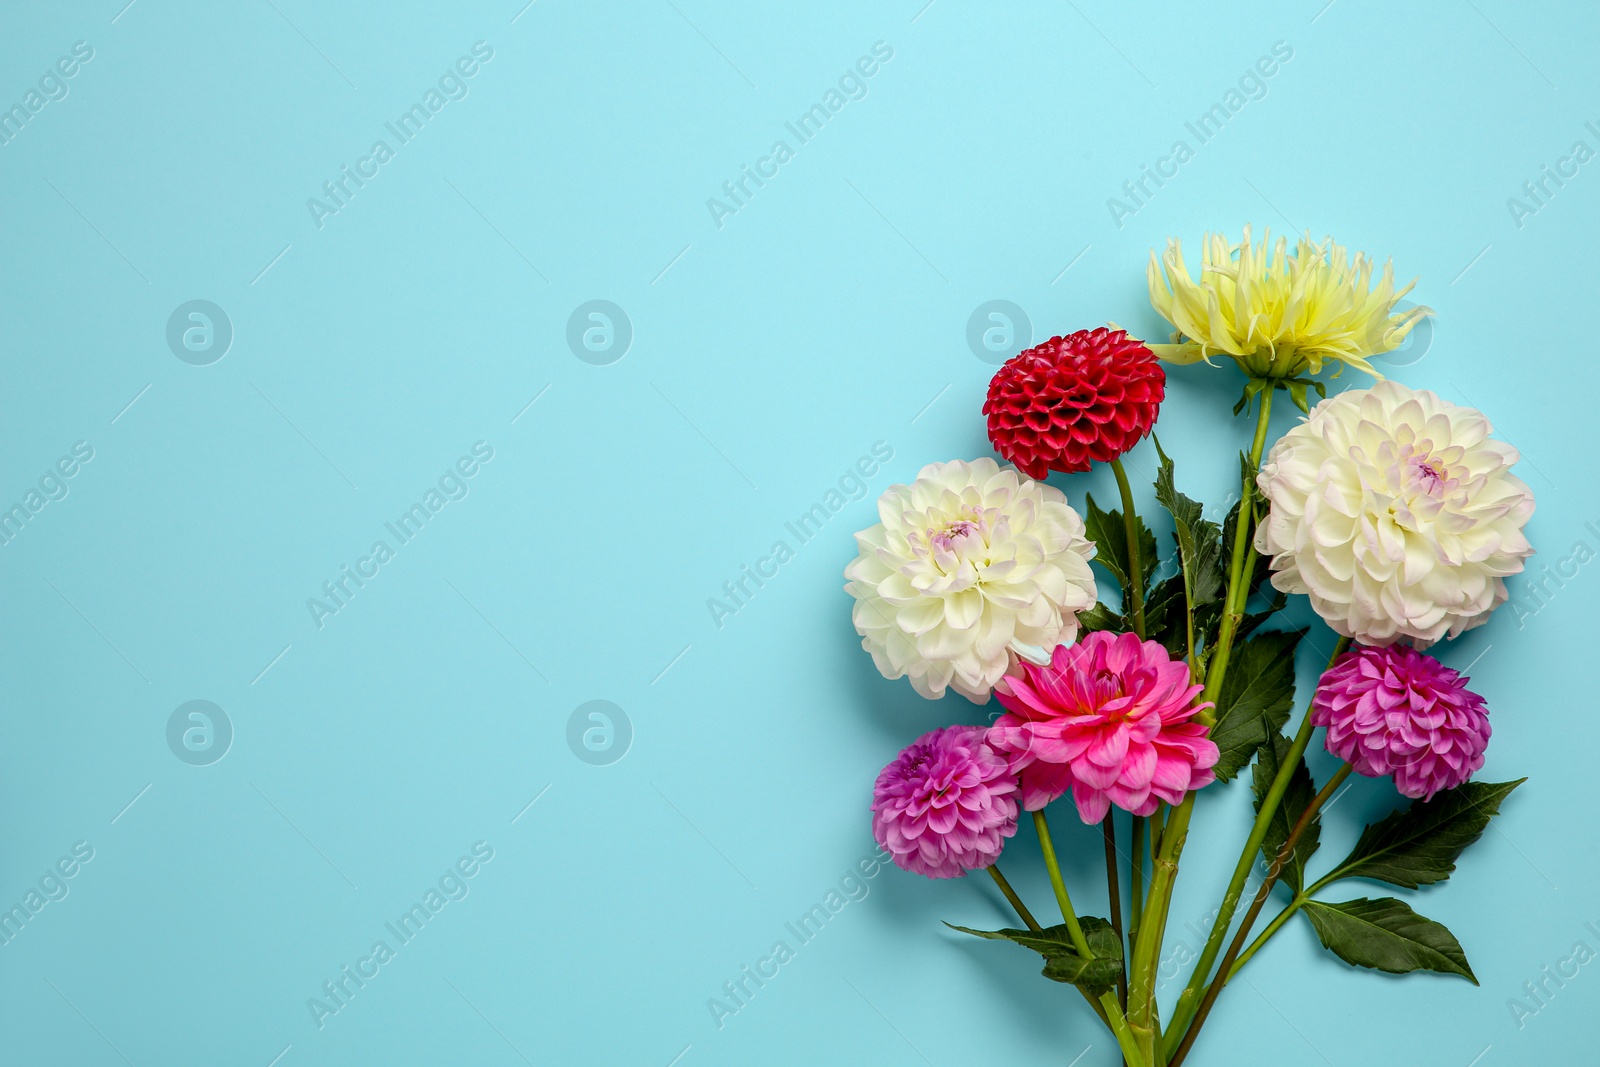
point(1074, 400)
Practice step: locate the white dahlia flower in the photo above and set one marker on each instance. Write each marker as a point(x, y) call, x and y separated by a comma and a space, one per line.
point(970, 564)
point(1395, 512)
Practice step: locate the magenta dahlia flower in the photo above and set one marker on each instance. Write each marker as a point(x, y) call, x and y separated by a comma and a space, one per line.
point(1111, 719)
point(1396, 711)
point(946, 804)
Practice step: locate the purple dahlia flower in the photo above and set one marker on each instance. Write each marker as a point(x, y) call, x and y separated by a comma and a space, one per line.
point(1396, 711)
point(946, 804)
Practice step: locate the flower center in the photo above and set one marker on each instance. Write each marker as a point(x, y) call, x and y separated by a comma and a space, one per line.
point(1429, 478)
point(952, 534)
point(1106, 687)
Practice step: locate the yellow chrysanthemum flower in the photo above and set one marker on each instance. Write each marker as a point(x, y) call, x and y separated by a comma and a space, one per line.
point(1279, 316)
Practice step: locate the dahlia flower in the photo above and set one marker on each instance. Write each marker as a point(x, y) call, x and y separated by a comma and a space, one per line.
point(1396, 513)
point(1111, 719)
point(946, 804)
point(1086, 397)
point(970, 563)
point(1396, 711)
point(1278, 316)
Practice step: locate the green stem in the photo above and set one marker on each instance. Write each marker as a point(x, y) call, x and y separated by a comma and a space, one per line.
point(1226, 967)
point(1011, 895)
point(1152, 929)
point(1188, 627)
point(1294, 905)
point(1283, 916)
point(1184, 1012)
point(1174, 833)
point(1238, 591)
point(1266, 935)
point(1332, 875)
point(1130, 522)
point(1068, 915)
point(1136, 890)
point(1108, 999)
point(1033, 925)
point(1114, 895)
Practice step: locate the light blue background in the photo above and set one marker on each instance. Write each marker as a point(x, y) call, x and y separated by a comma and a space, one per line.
point(829, 313)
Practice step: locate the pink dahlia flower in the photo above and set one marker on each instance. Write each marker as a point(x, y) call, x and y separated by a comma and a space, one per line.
point(1111, 719)
point(946, 804)
point(1396, 711)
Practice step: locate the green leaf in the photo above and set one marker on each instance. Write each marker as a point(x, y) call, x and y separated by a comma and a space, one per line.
point(1252, 387)
point(1164, 617)
point(1199, 540)
point(1100, 617)
point(1110, 536)
point(1198, 585)
point(1062, 961)
point(1386, 935)
point(1094, 976)
point(1207, 625)
point(1419, 846)
point(1057, 940)
point(1052, 941)
point(1299, 794)
point(1248, 624)
point(1297, 391)
point(1255, 698)
point(1103, 940)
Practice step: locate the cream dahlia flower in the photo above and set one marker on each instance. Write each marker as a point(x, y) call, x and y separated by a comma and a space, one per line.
point(1278, 316)
point(970, 565)
point(1396, 513)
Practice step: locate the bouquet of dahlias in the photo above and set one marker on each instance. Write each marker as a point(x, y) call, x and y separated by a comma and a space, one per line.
point(1393, 510)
